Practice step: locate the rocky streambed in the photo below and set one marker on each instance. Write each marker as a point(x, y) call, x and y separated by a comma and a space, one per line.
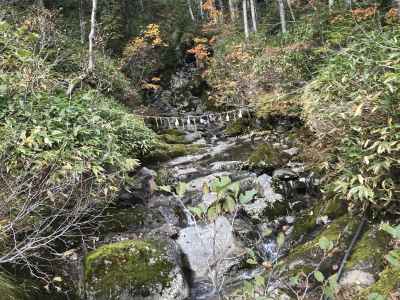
point(155, 247)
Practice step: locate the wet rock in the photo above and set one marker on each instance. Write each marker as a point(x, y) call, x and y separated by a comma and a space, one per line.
point(290, 219)
point(197, 184)
point(308, 221)
point(267, 191)
point(182, 174)
point(307, 256)
point(128, 198)
point(209, 199)
point(284, 174)
point(387, 285)
point(210, 248)
point(262, 209)
point(225, 165)
point(135, 269)
point(146, 172)
point(269, 205)
point(191, 137)
point(292, 151)
point(201, 141)
point(165, 152)
point(138, 218)
point(366, 260)
point(296, 167)
point(185, 159)
point(267, 157)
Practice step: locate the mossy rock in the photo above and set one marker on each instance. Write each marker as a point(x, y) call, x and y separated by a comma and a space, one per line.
point(307, 256)
point(366, 260)
point(369, 251)
point(173, 136)
point(238, 127)
point(388, 283)
point(165, 152)
point(267, 157)
point(333, 207)
point(133, 269)
point(138, 217)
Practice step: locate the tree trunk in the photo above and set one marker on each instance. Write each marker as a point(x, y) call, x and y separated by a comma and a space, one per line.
point(92, 36)
point(232, 10)
point(291, 10)
point(82, 22)
point(221, 9)
point(245, 21)
point(201, 9)
point(189, 3)
point(348, 3)
point(282, 15)
point(331, 3)
point(253, 15)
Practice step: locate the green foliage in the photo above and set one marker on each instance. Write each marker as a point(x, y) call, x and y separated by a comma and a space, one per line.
point(353, 101)
point(228, 197)
point(87, 134)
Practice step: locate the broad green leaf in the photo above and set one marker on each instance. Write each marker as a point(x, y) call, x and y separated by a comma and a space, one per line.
point(165, 188)
point(181, 189)
point(220, 183)
point(212, 213)
point(376, 296)
point(294, 280)
point(251, 261)
point(319, 276)
point(280, 240)
point(247, 196)
point(235, 188)
point(325, 244)
point(260, 281)
point(205, 188)
point(393, 231)
point(229, 204)
point(267, 232)
point(394, 258)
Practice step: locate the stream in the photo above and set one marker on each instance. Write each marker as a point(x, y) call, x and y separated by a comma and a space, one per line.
point(206, 260)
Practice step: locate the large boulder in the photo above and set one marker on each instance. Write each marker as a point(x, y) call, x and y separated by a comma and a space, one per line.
point(210, 248)
point(306, 257)
point(365, 262)
point(135, 269)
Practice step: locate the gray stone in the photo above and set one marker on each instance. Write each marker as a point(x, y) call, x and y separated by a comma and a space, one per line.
point(184, 173)
point(284, 174)
point(357, 277)
point(210, 248)
point(266, 189)
point(209, 199)
point(191, 137)
point(256, 209)
point(146, 172)
point(290, 219)
point(185, 159)
point(292, 151)
point(224, 165)
point(201, 141)
point(197, 184)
